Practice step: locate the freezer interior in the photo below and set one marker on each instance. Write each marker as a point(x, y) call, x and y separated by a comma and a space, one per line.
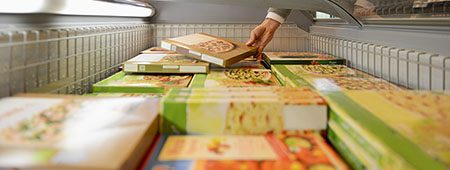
point(64, 47)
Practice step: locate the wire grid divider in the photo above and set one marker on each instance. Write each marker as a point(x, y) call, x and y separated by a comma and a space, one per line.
point(288, 37)
point(66, 59)
point(405, 67)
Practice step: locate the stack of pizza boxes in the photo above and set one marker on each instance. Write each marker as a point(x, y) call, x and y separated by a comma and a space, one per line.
point(186, 61)
point(272, 127)
point(372, 123)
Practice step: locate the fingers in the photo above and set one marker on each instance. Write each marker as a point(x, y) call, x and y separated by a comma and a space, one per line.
point(252, 39)
point(260, 50)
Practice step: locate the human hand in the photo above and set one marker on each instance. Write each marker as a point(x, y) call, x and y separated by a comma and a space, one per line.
point(262, 35)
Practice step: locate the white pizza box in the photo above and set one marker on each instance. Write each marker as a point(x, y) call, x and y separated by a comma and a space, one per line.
point(164, 63)
point(75, 132)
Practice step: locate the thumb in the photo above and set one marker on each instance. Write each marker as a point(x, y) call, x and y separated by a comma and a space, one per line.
point(252, 39)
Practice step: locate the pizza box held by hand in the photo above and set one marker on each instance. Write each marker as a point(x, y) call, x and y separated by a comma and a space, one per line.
point(212, 49)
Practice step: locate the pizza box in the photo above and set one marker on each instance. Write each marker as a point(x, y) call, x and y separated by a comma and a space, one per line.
point(157, 50)
point(297, 75)
point(352, 152)
point(303, 150)
point(369, 156)
point(299, 58)
point(249, 63)
point(410, 124)
point(141, 83)
point(235, 78)
point(209, 48)
point(349, 83)
point(246, 112)
point(288, 78)
point(75, 132)
point(164, 63)
point(146, 95)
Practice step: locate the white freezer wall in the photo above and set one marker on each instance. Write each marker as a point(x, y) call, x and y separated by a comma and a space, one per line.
point(66, 58)
point(413, 57)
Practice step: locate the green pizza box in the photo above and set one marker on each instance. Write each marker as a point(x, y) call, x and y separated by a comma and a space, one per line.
point(240, 77)
point(198, 111)
point(288, 78)
point(396, 125)
point(374, 153)
point(347, 150)
point(122, 82)
point(301, 58)
point(164, 63)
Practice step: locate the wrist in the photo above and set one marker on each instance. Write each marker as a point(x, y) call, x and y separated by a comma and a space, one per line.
point(271, 23)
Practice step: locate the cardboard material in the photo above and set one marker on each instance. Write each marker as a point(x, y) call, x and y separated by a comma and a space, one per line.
point(240, 78)
point(146, 95)
point(349, 83)
point(236, 78)
point(68, 132)
point(242, 110)
point(212, 49)
point(299, 58)
point(292, 149)
point(308, 75)
point(157, 50)
point(410, 124)
point(164, 63)
point(141, 83)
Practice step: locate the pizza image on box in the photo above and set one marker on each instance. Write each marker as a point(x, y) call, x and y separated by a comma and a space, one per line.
point(153, 80)
point(350, 83)
point(240, 78)
point(42, 128)
point(216, 50)
point(321, 70)
point(177, 59)
point(216, 46)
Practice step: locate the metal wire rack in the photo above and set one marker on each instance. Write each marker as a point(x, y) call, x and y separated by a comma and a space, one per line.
point(405, 67)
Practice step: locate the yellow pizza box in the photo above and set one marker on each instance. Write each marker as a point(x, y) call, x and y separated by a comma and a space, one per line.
point(251, 112)
point(209, 48)
point(75, 132)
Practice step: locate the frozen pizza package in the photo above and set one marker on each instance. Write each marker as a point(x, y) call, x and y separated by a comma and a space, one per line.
point(164, 63)
point(157, 50)
point(209, 48)
point(254, 112)
point(286, 150)
point(349, 83)
point(395, 127)
point(122, 82)
point(307, 58)
point(75, 132)
point(242, 77)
